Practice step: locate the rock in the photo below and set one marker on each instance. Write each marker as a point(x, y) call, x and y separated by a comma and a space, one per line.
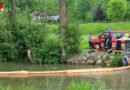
point(89, 58)
point(99, 61)
point(108, 64)
point(99, 57)
point(83, 62)
point(111, 57)
point(104, 56)
point(90, 62)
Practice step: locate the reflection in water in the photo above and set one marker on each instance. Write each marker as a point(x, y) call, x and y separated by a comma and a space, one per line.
point(118, 80)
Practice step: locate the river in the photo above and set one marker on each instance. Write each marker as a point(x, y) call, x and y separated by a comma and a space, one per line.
point(118, 80)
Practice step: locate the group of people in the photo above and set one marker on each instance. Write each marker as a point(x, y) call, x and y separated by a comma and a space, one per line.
point(107, 38)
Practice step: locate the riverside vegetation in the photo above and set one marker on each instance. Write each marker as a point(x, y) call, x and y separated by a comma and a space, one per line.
point(83, 85)
point(18, 33)
point(86, 85)
point(46, 43)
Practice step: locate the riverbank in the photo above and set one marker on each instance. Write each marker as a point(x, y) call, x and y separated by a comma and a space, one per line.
point(96, 29)
point(93, 58)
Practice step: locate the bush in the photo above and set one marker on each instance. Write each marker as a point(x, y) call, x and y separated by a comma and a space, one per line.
point(117, 60)
point(116, 10)
point(45, 45)
point(44, 42)
point(72, 38)
point(53, 54)
point(15, 42)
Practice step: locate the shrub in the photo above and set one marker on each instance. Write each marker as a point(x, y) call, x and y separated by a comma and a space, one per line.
point(15, 42)
point(117, 60)
point(72, 38)
point(53, 54)
point(46, 46)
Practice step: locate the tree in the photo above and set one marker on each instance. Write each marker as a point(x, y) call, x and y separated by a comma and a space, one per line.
point(11, 12)
point(98, 14)
point(83, 7)
point(63, 22)
point(116, 10)
point(127, 16)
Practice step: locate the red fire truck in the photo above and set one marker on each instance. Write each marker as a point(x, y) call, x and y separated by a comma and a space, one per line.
point(99, 43)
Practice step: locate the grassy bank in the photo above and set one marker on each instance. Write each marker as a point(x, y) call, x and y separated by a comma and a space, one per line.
point(96, 29)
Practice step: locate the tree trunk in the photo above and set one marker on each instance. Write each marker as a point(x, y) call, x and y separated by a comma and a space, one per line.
point(11, 11)
point(63, 22)
point(11, 20)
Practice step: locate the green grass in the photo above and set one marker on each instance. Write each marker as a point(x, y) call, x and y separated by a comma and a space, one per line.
point(19, 87)
point(96, 29)
point(86, 85)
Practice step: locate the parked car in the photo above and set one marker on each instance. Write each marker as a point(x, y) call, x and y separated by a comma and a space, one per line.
point(99, 43)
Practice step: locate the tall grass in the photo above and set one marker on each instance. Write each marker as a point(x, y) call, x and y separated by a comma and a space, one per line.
point(19, 87)
point(83, 85)
point(97, 28)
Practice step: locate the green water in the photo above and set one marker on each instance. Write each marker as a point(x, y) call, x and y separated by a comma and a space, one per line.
point(119, 80)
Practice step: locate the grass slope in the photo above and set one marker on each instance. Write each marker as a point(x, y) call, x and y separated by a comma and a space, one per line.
point(96, 29)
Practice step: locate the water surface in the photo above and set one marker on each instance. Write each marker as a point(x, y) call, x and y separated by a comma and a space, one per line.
point(119, 80)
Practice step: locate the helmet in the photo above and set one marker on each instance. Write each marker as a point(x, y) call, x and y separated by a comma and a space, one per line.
point(127, 35)
point(109, 30)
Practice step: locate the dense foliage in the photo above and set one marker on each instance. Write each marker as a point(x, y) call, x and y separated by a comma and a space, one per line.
point(44, 42)
point(98, 14)
point(116, 10)
point(82, 10)
point(117, 60)
point(18, 33)
point(72, 38)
